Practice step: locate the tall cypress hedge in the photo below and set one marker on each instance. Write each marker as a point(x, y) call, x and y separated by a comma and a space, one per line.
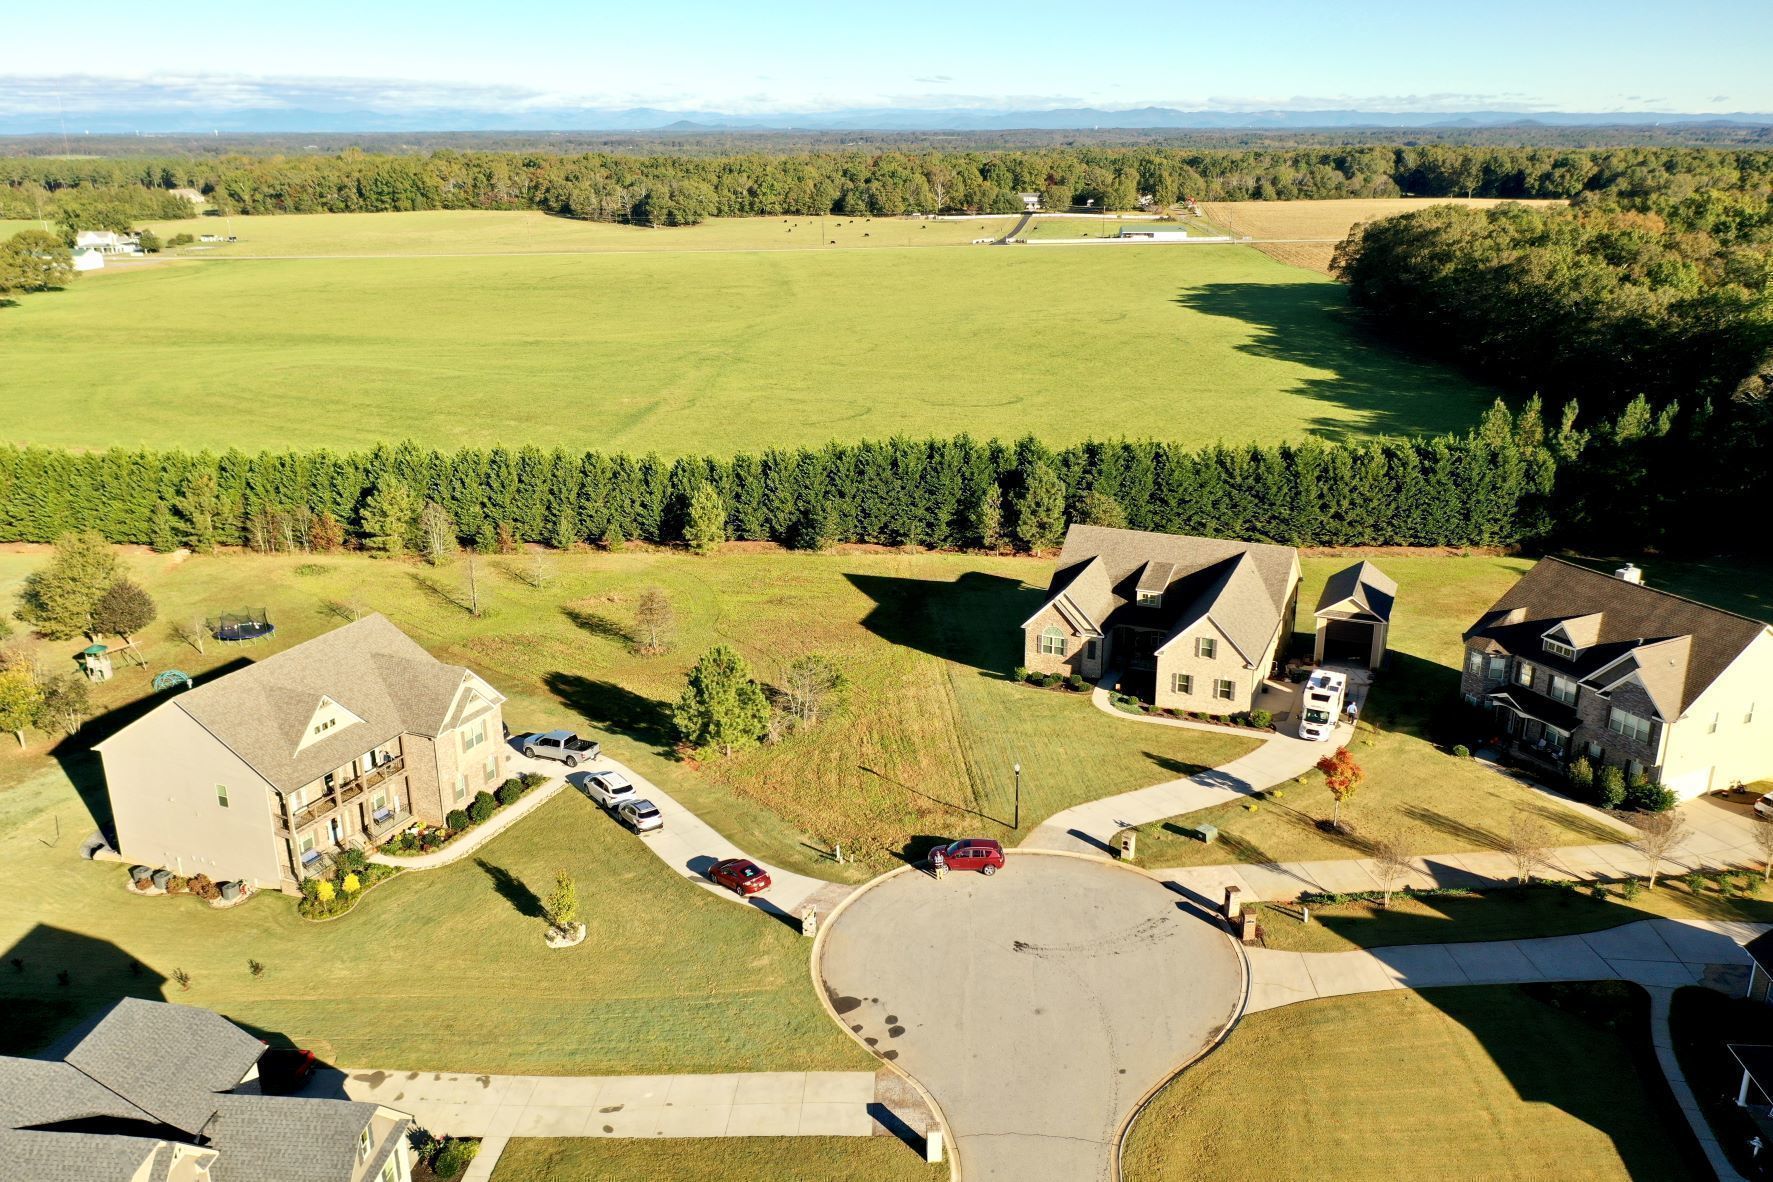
point(1451, 491)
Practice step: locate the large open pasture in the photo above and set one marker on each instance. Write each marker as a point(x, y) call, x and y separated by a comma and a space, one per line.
point(1319, 225)
point(467, 336)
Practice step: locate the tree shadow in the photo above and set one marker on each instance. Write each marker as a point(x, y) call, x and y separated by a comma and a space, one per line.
point(442, 594)
point(600, 626)
point(974, 620)
point(615, 708)
point(947, 804)
point(1464, 831)
point(1176, 767)
point(1311, 325)
point(512, 890)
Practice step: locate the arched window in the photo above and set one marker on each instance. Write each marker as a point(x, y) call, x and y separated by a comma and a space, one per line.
point(1052, 642)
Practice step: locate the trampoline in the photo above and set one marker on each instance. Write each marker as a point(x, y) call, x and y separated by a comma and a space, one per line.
point(241, 628)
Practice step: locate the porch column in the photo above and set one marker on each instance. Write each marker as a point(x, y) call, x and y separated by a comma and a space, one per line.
point(1742, 1092)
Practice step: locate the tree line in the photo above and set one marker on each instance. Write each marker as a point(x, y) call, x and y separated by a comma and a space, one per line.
point(1515, 479)
point(669, 189)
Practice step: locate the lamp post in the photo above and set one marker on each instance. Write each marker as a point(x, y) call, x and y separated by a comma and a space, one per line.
point(1018, 821)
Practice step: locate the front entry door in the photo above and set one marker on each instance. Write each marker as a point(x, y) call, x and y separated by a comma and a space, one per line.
point(335, 830)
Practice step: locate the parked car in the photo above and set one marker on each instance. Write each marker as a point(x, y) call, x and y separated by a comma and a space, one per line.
point(609, 789)
point(642, 816)
point(741, 876)
point(1764, 806)
point(974, 853)
point(565, 746)
point(284, 1071)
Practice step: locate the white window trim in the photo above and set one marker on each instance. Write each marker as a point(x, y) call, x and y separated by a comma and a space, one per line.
point(1228, 686)
point(1575, 689)
point(1626, 727)
point(1558, 648)
point(1053, 642)
point(1182, 683)
point(1524, 674)
point(1206, 648)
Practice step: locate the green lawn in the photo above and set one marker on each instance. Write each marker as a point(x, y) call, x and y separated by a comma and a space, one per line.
point(924, 747)
point(804, 1159)
point(1415, 793)
point(1492, 1082)
point(435, 970)
point(686, 350)
point(1497, 915)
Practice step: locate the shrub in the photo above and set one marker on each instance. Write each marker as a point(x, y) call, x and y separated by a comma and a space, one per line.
point(325, 892)
point(453, 1157)
point(457, 820)
point(1647, 797)
point(1076, 682)
point(310, 888)
point(178, 884)
point(1261, 719)
point(1609, 787)
point(351, 884)
point(203, 888)
point(509, 791)
point(1019, 673)
point(482, 807)
point(308, 570)
point(532, 780)
point(181, 239)
point(1461, 751)
point(352, 861)
point(1629, 888)
point(1581, 775)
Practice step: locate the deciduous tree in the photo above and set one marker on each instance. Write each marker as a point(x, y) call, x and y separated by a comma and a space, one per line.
point(1342, 775)
point(811, 685)
point(1658, 835)
point(563, 902)
point(21, 701)
point(59, 599)
point(123, 610)
point(654, 622)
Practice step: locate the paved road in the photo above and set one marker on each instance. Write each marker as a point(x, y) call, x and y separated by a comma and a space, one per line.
point(1038, 1006)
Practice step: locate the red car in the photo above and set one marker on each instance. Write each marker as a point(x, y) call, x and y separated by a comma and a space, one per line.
point(974, 853)
point(741, 876)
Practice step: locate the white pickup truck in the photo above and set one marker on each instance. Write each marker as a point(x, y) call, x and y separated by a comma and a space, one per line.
point(565, 746)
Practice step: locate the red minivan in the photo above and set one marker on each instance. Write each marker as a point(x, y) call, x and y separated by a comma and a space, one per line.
point(974, 853)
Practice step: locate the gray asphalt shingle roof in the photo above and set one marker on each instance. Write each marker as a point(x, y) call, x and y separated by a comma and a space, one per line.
point(1678, 646)
point(1371, 589)
point(78, 1157)
point(48, 1091)
point(169, 1060)
point(289, 1139)
point(1242, 586)
point(371, 668)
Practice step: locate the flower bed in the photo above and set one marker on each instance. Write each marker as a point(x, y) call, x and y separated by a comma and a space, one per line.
point(426, 839)
point(1255, 720)
point(332, 895)
point(1074, 684)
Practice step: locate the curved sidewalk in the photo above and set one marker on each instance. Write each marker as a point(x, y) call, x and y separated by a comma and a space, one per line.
point(500, 821)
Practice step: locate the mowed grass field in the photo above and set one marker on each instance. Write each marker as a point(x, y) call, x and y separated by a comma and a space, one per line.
point(1328, 221)
point(1443, 1085)
point(687, 350)
point(803, 1159)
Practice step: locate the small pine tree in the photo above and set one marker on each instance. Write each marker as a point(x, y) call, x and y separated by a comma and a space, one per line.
point(1098, 508)
point(705, 527)
point(390, 517)
point(563, 902)
point(722, 707)
point(566, 530)
point(162, 532)
point(59, 599)
point(613, 539)
point(988, 518)
point(1040, 509)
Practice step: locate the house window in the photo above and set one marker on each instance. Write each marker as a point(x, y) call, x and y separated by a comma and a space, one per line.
point(462, 786)
point(1223, 688)
point(1052, 643)
point(1474, 661)
point(1089, 650)
point(1713, 728)
point(1498, 670)
point(1523, 675)
point(1559, 649)
point(491, 771)
point(221, 795)
point(363, 1142)
point(1206, 647)
point(325, 725)
point(1151, 599)
point(390, 1171)
point(474, 736)
point(1629, 725)
point(1594, 749)
point(1563, 689)
point(1181, 683)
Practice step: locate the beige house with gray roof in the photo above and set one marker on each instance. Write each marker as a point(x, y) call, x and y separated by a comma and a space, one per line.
point(1573, 661)
point(1200, 620)
point(339, 742)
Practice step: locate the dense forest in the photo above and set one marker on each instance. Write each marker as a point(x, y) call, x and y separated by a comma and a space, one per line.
point(1516, 479)
point(682, 189)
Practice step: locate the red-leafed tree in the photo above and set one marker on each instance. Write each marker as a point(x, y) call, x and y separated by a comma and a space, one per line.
point(1343, 775)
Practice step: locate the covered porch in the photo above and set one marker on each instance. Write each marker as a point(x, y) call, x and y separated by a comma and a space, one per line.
point(1534, 727)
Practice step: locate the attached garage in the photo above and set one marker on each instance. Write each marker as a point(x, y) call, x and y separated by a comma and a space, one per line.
point(1354, 616)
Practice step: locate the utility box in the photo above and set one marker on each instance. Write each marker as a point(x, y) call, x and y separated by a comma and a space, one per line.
point(1207, 833)
point(1129, 843)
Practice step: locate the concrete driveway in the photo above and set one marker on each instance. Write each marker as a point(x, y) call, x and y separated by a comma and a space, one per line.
point(1038, 1006)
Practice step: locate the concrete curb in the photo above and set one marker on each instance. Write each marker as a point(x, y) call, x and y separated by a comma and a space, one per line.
point(951, 1146)
point(478, 836)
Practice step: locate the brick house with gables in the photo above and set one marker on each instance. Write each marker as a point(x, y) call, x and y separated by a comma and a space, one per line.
point(1573, 661)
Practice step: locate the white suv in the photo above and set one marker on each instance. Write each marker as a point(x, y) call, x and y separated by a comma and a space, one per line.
point(608, 789)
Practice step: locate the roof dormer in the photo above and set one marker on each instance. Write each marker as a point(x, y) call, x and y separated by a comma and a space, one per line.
point(1567, 638)
point(328, 719)
point(1154, 579)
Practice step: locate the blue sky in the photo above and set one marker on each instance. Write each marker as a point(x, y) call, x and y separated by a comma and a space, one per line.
point(1701, 55)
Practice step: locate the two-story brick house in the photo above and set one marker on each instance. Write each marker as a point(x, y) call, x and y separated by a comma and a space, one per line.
point(1203, 619)
point(1573, 661)
point(342, 741)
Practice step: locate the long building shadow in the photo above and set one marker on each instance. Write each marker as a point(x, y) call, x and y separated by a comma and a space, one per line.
point(974, 620)
point(611, 707)
point(52, 981)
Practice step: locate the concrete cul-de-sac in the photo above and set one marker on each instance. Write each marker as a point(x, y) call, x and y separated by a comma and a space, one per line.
point(1038, 1006)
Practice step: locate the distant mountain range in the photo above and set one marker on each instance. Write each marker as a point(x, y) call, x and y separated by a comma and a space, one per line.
point(649, 119)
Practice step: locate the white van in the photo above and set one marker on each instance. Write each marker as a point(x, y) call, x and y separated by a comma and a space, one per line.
point(1324, 694)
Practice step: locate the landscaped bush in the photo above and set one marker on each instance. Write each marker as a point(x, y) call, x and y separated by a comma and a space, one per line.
point(1076, 683)
point(457, 820)
point(1609, 787)
point(453, 1156)
point(201, 886)
point(352, 860)
point(1648, 797)
point(324, 898)
point(1580, 774)
point(178, 884)
point(1261, 719)
point(1461, 751)
point(1019, 673)
point(509, 791)
point(483, 806)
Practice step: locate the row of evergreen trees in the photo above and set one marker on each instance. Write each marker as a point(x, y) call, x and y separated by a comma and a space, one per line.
point(1478, 490)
